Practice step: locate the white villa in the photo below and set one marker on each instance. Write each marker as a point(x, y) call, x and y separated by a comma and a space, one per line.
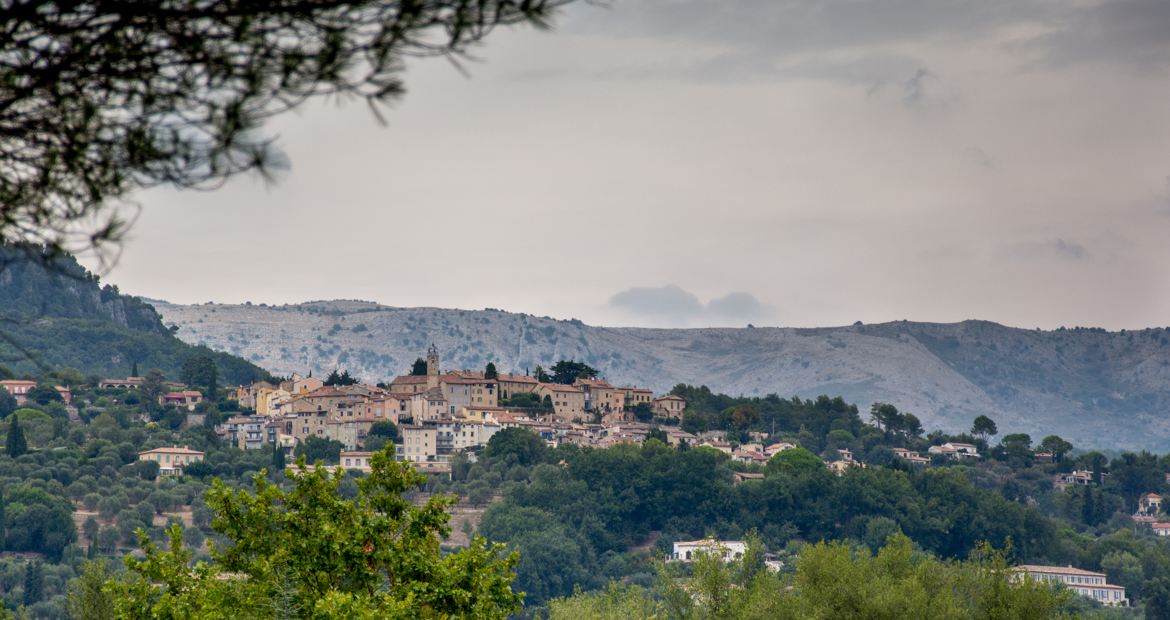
point(685, 551)
point(1083, 582)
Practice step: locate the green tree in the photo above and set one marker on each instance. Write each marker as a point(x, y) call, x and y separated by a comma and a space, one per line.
point(567, 372)
point(643, 412)
point(1017, 447)
point(385, 429)
point(310, 553)
point(489, 372)
point(321, 449)
point(34, 583)
point(743, 416)
point(1057, 446)
point(516, 445)
point(7, 403)
point(419, 368)
point(153, 385)
point(884, 415)
point(343, 378)
point(984, 427)
point(87, 598)
point(1158, 599)
point(16, 444)
point(278, 460)
point(615, 602)
point(795, 462)
point(911, 425)
point(44, 393)
point(199, 371)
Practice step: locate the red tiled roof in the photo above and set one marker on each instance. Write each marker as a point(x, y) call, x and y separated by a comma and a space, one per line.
point(172, 450)
point(560, 387)
point(517, 378)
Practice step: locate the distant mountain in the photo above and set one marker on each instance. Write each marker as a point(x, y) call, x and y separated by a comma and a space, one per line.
point(61, 316)
point(1095, 388)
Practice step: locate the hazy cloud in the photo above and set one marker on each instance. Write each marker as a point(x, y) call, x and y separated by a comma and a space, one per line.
point(914, 88)
point(669, 303)
point(739, 306)
point(1069, 249)
point(1054, 248)
point(675, 306)
point(1010, 157)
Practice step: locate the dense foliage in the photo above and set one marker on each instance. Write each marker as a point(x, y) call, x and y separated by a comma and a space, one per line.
point(831, 580)
point(310, 552)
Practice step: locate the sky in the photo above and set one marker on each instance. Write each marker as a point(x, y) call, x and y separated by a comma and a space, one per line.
point(692, 162)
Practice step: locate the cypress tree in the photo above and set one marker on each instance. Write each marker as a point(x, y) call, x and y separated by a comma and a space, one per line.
point(1088, 512)
point(278, 463)
point(17, 445)
point(34, 583)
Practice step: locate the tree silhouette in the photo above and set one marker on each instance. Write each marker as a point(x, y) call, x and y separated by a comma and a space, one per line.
point(16, 445)
point(101, 99)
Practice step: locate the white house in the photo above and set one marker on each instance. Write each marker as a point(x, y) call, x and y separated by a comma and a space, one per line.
point(687, 551)
point(1083, 582)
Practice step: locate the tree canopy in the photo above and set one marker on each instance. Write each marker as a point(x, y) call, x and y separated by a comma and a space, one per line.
point(104, 98)
point(343, 378)
point(567, 372)
point(309, 552)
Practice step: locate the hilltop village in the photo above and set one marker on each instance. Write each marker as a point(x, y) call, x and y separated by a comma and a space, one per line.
point(441, 413)
point(474, 430)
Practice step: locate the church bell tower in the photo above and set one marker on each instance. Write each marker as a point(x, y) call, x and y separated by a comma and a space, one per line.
point(432, 367)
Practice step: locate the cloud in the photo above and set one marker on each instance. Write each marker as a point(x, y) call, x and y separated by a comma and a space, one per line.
point(762, 38)
point(1053, 248)
point(673, 306)
point(666, 302)
point(738, 306)
point(1069, 249)
point(914, 88)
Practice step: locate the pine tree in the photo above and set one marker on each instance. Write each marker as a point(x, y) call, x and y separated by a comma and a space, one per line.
point(17, 445)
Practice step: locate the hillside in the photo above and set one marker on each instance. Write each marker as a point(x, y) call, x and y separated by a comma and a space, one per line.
point(62, 316)
point(1093, 387)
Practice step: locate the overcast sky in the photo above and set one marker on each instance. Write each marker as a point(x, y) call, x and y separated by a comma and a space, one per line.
point(695, 162)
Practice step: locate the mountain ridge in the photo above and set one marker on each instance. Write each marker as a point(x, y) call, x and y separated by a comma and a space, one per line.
point(56, 314)
point(1106, 389)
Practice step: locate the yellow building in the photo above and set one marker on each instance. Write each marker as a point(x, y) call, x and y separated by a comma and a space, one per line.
point(171, 461)
point(419, 443)
point(669, 406)
point(568, 400)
